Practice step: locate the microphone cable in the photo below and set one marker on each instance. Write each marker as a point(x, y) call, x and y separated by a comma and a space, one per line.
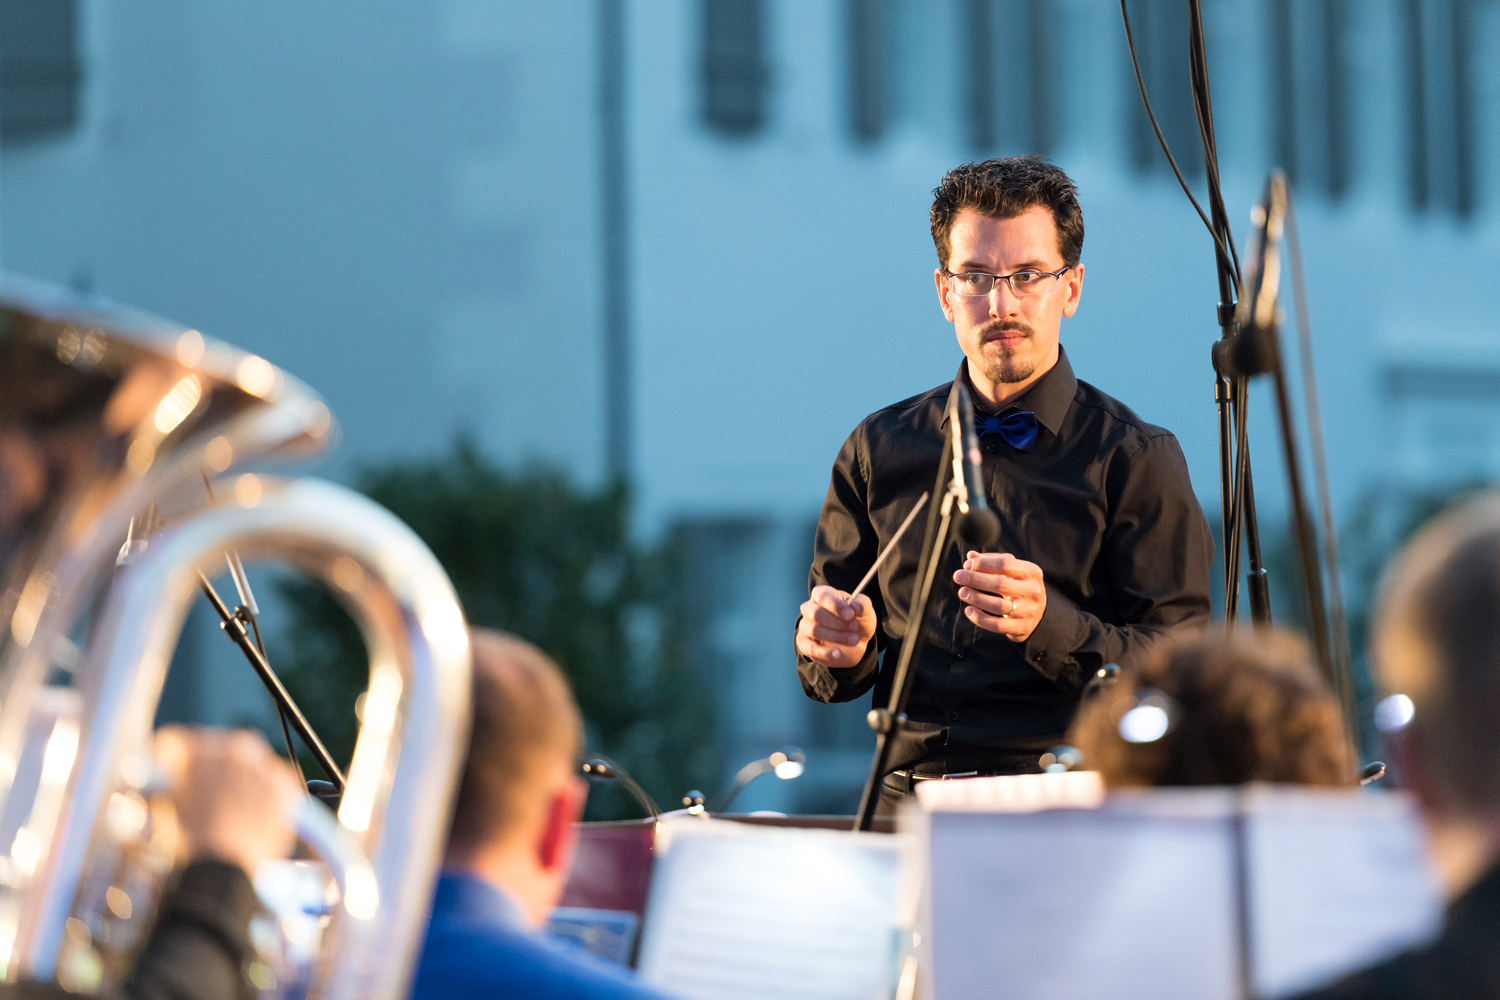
point(1236, 490)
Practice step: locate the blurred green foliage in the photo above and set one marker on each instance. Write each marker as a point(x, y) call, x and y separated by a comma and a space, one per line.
point(532, 554)
point(1382, 518)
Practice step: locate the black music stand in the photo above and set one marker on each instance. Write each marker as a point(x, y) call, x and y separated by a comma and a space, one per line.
point(981, 527)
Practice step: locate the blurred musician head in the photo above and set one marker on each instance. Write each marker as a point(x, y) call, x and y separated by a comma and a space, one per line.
point(1217, 709)
point(521, 794)
point(511, 847)
point(1436, 650)
point(1436, 640)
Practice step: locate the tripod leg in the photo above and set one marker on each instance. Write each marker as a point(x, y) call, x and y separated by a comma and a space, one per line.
point(1256, 580)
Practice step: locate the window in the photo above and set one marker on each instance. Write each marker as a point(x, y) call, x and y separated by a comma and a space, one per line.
point(1160, 29)
point(734, 71)
point(39, 70)
point(1012, 95)
point(870, 84)
point(1442, 417)
point(1439, 104)
point(1310, 92)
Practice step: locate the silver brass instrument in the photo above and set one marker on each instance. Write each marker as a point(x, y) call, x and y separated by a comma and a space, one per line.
point(108, 421)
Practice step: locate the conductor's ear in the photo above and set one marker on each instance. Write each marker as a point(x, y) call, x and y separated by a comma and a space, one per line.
point(943, 292)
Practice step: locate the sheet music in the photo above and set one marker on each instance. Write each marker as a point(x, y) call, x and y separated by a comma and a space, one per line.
point(1139, 897)
point(1133, 900)
point(741, 912)
point(1340, 880)
point(1015, 792)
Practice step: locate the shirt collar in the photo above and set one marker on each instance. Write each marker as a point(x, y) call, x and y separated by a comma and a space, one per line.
point(464, 896)
point(1048, 397)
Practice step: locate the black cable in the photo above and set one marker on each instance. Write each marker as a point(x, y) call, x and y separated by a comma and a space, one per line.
point(1227, 260)
point(1141, 83)
point(1203, 107)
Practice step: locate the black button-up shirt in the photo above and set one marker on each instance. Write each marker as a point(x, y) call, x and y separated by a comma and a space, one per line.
point(1103, 505)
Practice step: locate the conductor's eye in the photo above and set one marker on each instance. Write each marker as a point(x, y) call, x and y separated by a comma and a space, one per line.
point(1028, 279)
point(974, 284)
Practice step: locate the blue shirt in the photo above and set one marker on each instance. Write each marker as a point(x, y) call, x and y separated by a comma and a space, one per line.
point(478, 945)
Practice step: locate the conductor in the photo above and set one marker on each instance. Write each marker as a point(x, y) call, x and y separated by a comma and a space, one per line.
point(1103, 548)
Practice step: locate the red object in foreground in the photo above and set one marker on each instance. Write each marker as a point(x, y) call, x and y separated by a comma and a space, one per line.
point(612, 870)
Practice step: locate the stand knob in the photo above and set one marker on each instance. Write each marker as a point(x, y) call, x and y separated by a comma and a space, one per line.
point(1103, 678)
point(882, 721)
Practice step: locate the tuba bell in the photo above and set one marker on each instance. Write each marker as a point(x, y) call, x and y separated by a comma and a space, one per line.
point(110, 420)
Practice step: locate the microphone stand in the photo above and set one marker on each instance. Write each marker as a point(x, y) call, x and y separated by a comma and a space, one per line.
point(607, 770)
point(238, 625)
point(889, 721)
point(234, 625)
point(1236, 489)
point(1256, 350)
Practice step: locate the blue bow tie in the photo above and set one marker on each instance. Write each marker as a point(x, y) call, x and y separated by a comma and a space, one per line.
point(1018, 427)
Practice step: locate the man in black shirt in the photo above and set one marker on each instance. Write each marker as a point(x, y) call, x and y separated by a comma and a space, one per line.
point(1103, 547)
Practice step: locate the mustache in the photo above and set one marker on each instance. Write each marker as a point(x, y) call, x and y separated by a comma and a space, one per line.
point(992, 329)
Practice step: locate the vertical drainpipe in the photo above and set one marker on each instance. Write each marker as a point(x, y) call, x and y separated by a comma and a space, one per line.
point(614, 244)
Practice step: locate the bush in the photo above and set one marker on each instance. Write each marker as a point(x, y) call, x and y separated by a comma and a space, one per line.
point(531, 554)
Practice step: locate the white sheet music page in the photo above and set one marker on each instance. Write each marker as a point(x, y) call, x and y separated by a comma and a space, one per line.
point(1135, 899)
point(742, 912)
point(1340, 879)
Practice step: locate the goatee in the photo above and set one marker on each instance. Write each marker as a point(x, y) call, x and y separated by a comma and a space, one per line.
point(1006, 369)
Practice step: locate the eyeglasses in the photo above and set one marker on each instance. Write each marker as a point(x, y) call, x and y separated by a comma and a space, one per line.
point(1022, 283)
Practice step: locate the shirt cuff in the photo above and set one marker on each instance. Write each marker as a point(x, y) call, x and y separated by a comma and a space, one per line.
point(219, 897)
point(830, 684)
point(1050, 647)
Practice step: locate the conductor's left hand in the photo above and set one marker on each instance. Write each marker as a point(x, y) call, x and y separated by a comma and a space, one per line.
point(1003, 594)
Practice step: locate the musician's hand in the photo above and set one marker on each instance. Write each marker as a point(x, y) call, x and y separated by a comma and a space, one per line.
point(835, 631)
point(1004, 594)
point(233, 796)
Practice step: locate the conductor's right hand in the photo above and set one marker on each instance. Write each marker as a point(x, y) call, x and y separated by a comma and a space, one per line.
point(834, 630)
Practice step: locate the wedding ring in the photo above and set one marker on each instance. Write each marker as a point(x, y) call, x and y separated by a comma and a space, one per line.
point(1012, 610)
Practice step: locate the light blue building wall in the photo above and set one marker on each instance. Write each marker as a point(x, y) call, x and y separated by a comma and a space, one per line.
point(402, 204)
point(390, 201)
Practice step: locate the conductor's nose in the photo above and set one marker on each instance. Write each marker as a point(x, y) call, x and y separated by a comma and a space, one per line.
point(1003, 301)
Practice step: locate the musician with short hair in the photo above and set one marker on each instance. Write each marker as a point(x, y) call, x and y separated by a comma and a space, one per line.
point(511, 845)
point(1436, 641)
point(1103, 547)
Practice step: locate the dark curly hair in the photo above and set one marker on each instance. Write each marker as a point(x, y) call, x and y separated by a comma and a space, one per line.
point(1003, 189)
point(1248, 707)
